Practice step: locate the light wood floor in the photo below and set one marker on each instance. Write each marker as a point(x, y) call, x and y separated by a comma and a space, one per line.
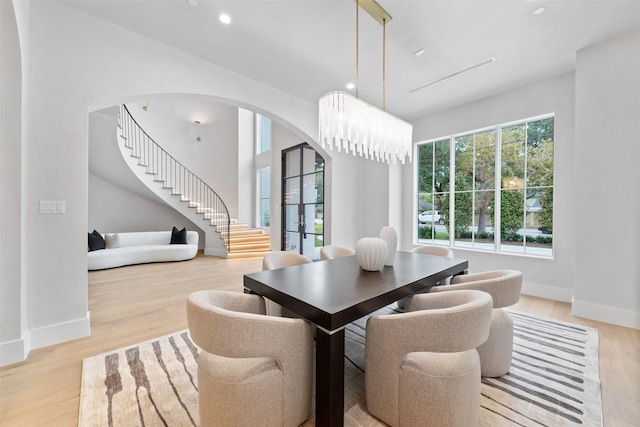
point(138, 303)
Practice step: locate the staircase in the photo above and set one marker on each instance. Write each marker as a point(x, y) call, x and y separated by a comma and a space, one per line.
point(245, 242)
point(187, 193)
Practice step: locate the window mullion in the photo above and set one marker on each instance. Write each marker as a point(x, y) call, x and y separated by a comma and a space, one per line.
point(497, 235)
point(525, 185)
point(452, 192)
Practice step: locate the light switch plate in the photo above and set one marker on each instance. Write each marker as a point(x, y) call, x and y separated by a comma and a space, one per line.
point(52, 207)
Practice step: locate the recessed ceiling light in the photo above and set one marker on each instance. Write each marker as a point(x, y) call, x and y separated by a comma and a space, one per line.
point(225, 19)
point(419, 52)
point(350, 86)
point(539, 10)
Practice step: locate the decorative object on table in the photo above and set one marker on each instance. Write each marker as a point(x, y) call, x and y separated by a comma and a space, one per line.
point(371, 253)
point(390, 236)
point(170, 363)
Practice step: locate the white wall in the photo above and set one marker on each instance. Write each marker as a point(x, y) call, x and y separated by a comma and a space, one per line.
point(169, 121)
point(79, 64)
point(12, 323)
point(357, 198)
point(113, 209)
point(607, 154)
point(246, 168)
point(281, 138)
point(550, 278)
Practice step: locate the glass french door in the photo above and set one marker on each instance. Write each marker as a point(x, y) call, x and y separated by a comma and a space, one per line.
point(302, 201)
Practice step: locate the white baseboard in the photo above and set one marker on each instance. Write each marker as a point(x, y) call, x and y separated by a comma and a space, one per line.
point(61, 332)
point(549, 292)
point(602, 313)
point(18, 350)
point(14, 351)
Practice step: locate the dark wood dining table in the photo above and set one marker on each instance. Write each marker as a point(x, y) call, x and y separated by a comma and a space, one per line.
point(334, 293)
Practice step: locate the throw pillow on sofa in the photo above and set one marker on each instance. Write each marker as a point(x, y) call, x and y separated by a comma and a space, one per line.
point(112, 240)
point(96, 242)
point(179, 237)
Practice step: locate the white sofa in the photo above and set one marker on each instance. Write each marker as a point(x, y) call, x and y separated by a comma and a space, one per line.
point(141, 247)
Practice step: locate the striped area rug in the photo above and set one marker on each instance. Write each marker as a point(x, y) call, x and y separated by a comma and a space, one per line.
point(554, 378)
point(553, 381)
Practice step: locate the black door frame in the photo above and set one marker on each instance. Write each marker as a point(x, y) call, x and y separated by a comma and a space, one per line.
point(301, 204)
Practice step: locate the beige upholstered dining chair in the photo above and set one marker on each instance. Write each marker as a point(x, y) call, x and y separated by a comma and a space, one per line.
point(332, 252)
point(253, 369)
point(430, 250)
point(274, 261)
point(433, 250)
point(422, 367)
point(504, 286)
point(282, 259)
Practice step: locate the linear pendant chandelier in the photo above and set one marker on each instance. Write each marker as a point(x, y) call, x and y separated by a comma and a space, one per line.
point(349, 123)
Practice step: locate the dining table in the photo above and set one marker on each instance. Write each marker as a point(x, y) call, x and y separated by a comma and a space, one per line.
point(333, 293)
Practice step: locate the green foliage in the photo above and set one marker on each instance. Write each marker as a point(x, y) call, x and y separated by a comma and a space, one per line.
point(545, 240)
point(464, 212)
point(511, 212)
point(545, 216)
point(527, 167)
point(425, 232)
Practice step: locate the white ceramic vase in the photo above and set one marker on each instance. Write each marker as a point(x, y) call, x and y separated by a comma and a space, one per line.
point(390, 236)
point(371, 253)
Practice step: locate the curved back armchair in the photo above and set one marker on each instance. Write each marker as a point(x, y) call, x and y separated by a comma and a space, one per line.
point(253, 369)
point(282, 259)
point(332, 252)
point(504, 286)
point(430, 250)
point(274, 261)
point(433, 250)
point(421, 367)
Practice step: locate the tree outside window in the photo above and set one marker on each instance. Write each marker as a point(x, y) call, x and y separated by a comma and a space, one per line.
point(516, 217)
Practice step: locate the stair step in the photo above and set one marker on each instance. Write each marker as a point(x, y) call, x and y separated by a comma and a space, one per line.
point(251, 239)
point(214, 215)
point(242, 233)
point(249, 247)
point(245, 255)
point(241, 226)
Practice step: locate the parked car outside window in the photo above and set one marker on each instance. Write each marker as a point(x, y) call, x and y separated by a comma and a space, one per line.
point(429, 217)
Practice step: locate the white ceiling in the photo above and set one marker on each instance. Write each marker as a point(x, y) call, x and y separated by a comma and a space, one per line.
point(307, 47)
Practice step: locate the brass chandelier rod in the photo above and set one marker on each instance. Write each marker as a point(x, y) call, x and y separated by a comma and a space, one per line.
point(380, 15)
point(384, 65)
point(357, 48)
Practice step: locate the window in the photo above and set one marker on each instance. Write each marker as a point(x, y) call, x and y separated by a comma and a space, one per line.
point(264, 197)
point(490, 189)
point(433, 190)
point(263, 133)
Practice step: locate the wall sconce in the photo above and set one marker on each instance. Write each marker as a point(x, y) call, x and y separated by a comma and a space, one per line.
point(197, 122)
